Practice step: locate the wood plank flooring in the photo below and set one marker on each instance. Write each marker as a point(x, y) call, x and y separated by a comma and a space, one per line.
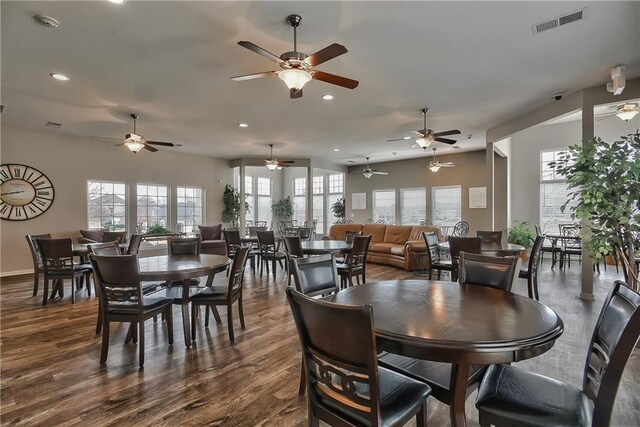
point(51, 374)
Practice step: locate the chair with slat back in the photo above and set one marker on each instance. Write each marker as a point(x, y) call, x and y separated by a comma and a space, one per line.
point(293, 250)
point(134, 244)
point(36, 257)
point(212, 296)
point(314, 276)
point(103, 249)
point(356, 262)
point(471, 245)
point(571, 243)
point(269, 253)
point(492, 272)
point(435, 262)
point(253, 231)
point(510, 396)
point(58, 265)
point(115, 236)
point(350, 235)
point(490, 238)
point(461, 229)
point(530, 271)
point(426, 222)
point(346, 386)
point(122, 299)
point(305, 233)
point(184, 246)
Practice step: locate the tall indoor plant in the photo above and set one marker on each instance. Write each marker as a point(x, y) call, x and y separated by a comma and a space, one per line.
point(282, 209)
point(231, 202)
point(605, 183)
point(521, 234)
point(338, 208)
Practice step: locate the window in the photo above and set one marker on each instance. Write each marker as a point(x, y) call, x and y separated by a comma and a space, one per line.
point(318, 185)
point(263, 211)
point(318, 203)
point(413, 205)
point(189, 208)
point(384, 206)
point(300, 200)
point(152, 206)
point(447, 205)
point(107, 205)
point(249, 198)
point(336, 183)
point(554, 193)
point(336, 191)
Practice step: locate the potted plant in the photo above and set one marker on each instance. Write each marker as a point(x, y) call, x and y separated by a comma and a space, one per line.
point(521, 234)
point(338, 208)
point(282, 209)
point(231, 211)
point(605, 183)
point(157, 229)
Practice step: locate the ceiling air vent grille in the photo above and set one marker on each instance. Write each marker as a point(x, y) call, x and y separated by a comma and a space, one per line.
point(558, 21)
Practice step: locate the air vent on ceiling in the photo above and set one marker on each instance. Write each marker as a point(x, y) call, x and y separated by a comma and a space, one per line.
point(559, 21)
point(54, 124)
point(350, 161)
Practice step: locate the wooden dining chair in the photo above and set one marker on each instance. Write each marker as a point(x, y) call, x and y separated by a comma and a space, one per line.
point(490, 238)
point(123, 300)
point(269, 253)
point(356, 262)
point(115, 236)
point(36, 258)
point(212, 296)
point(314, 276)
point(471, 245)
point(509, 396)
point(233, 242)
point(58, 265)
point(184, 246)
point(435, 262)
point(134, 244)
point(461, 229)
point(104, 249)
point(293, 250)
point(346, 386)
point(492, 272)
point(530, 271)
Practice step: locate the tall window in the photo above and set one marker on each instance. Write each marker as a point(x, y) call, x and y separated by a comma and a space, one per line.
point(384, 206)
point(300, 200)
point(263, 211)
point(152, 206)
point(249, 196)
point(107, 205)
point(189, 208)
point(413, 205)
point(553, 194)
point(447, 205)
point(318, 203)
point(336, 191)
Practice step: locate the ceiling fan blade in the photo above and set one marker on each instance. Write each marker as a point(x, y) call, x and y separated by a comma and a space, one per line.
point(335, 80)
point(164, 144)
point(422, 132)
point(399, 139)
point(106, 137)
point(380, 173)
point(287, 161)
point(323, 55)
point(445, 140)
point(446, 165)
point(117, 145)
point(260, 51)
point(150, 148)
point(448, 132)
point(293, 94)
point(253, 76)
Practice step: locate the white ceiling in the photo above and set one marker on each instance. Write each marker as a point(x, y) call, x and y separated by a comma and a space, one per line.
point(475, 64)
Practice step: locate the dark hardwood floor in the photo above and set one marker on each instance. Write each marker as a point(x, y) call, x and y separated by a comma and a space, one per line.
point(51, 374)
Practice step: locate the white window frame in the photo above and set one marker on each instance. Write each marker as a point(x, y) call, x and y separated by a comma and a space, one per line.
point(332, 196)
point(126, 203)
point(263, 196)
point(190, 226)
point(299, 186)
point(434, 204)
point(402, 207)
point(168, 205)
point(550, 225)
point(374, 204)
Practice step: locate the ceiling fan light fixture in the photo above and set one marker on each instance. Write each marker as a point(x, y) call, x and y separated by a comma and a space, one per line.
point(434, 168)
point(271, 166)
point(294, 78)
point(367, 174)
point(628, 111)
point(134, 146)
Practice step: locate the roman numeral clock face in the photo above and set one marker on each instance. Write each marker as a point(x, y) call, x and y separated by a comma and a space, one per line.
point(25, 192)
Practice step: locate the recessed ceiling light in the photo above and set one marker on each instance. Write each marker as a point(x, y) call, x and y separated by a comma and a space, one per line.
point(59, 76)
point(336, 149)
point(116, 1)
point(327, 97)
point(243, 125)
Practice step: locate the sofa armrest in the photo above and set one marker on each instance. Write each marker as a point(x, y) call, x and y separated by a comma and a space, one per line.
point(85, 240)
point(414, 246)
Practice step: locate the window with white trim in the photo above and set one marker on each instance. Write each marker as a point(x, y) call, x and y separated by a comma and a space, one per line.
point(152, 206)
point(300, 200)
point(384, 206)
point(107, 205)
point(446, 204)
point(263, 211)
point(413, 205)
point(554, 192)
point(335, 185)
point(318, 203)
point(249, 197)
point(189, 208)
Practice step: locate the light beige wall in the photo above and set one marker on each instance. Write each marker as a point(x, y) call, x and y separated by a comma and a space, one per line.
point(469, 172)
point(69, 162)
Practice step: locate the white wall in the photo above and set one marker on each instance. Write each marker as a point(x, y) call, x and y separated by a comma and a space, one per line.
point(70, 162)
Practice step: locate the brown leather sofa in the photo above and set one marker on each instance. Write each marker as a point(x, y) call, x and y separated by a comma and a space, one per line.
point(212, 240)
point(102, 236)
point(393, 245)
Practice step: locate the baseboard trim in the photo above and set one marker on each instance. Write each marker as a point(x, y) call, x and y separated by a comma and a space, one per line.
point(7, 274)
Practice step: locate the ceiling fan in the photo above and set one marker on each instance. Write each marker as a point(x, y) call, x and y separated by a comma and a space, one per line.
point(435, 165)
point(135, 142)
point(425, 137)
point(296, 67)
point(272, 163)
point(368, 172)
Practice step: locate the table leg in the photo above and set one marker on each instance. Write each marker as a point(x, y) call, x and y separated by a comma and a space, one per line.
point(186, 321)
point(459, 379)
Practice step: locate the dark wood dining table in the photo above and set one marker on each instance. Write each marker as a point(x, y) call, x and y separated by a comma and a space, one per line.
point(459, 324)
point(319, 247)
point(182, 267)
point(503, 248)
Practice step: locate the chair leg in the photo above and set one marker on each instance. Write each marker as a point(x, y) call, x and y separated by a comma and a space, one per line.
point(273, 264)
point(99, 322)
point(230, 321)
point(303, 380)
point(261, 267)
point(535, 287)
point(141, 323)
point(46, 290)
point(241, 312)
point(193, 321)
point(358, 279)
point(170, 324)
point(36, 282)
point(421, 416)
point(530, 286)
point(73, 291)
point(216, 315)
point(206, 316)
point(105, 342)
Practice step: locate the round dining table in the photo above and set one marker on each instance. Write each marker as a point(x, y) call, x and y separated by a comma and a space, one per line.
point(182, 267)
point(508, 248)
point(319, 247)
point(459, 324)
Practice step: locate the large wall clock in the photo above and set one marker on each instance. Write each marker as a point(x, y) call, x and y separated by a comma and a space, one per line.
point(25, 192)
